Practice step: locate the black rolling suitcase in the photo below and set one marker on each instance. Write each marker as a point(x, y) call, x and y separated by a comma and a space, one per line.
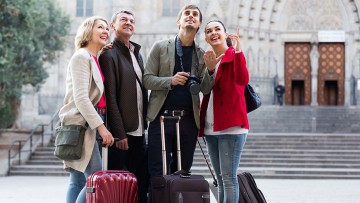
point(177, 188)
point(249, 192)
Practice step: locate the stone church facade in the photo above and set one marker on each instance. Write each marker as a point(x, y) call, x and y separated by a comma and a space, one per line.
point(311, 47)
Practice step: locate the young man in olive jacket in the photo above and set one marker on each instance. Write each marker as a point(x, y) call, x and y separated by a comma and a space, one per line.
point(126, 101)
point(173, 73)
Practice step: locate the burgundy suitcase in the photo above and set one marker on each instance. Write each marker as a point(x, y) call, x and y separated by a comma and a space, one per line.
point(176, 188)
point(111, 186)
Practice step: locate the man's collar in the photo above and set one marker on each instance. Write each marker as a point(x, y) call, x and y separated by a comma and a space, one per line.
point(131, 47)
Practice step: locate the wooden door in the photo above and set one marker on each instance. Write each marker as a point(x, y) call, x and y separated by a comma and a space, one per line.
point(331, 74)
point(297, 74)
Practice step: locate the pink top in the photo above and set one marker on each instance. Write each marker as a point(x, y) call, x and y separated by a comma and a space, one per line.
point(102, 102)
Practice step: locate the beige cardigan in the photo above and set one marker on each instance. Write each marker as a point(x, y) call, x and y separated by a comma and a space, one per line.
point(80, 100)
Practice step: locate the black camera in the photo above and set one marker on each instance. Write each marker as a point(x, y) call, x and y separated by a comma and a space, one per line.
point(193, 84)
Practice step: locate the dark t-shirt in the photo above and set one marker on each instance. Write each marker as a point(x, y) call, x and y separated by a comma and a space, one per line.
point(179, 98)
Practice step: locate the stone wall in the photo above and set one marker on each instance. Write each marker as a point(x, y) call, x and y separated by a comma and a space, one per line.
point(265, 26)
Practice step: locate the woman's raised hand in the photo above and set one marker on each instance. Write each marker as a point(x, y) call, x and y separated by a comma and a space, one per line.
point(235, 40)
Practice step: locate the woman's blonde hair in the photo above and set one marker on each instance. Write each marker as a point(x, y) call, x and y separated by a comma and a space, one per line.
point(84, 32)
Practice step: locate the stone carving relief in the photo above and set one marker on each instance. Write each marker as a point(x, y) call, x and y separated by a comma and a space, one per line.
point(313, 15)
point(273, 64)
point(299, 22)
point(261, 67)
point(265, 4)
point(329, 22)
point(254, 4)
point(356, 65)
point(250, 61)
point(215, 8)
point(355, 12)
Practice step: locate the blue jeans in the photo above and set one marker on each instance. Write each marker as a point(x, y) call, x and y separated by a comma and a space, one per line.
point(225, 151)
point(77, 190)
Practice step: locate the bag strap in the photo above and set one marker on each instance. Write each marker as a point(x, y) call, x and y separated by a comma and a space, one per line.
point(138, 80)
point(207, 162)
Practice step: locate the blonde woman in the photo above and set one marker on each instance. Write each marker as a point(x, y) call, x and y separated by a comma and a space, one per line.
point(84, 90)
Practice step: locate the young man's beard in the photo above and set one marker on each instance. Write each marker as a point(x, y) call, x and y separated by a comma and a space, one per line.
point(190, 27)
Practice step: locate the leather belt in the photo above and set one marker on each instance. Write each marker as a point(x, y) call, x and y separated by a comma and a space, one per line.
point(101, 111)
point(175, 113)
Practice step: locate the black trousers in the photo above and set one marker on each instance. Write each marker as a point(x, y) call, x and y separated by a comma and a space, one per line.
point(134, 160)
point(188, 137)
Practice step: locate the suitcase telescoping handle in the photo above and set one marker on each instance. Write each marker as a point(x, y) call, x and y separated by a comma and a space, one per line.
point(105, 154)
point(163, 147)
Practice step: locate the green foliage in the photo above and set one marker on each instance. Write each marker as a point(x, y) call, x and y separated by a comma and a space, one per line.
point(31, 31)
point(8, 112)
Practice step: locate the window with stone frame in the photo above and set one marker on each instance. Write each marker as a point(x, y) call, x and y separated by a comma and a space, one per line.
point(171, 7)
point(84, 8)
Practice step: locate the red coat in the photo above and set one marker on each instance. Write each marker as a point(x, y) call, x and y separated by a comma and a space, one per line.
point(229, 101)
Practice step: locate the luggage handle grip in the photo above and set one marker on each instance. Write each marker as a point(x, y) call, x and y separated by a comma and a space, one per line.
point(162, 118)
point(103, 145)
point(104, 154)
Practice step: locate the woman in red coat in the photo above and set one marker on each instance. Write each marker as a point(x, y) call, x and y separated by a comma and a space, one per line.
point(223, 115)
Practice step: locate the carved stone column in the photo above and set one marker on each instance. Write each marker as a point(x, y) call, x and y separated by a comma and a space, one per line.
point(314, 59)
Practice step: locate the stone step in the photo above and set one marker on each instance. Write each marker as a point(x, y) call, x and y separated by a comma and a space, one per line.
point(321, 153)
point(38, 170)
point(291, 151)
point(273, 139)
point(45, 162)
point(287, 165)
point(305, 114)
point(298, 147)
point(290, 161)
point(353, 157)
point(43, 153)
point(301, 157)
point(45, 149)
point(44, 157)
point(301, 141)
point(316, 173)
point(46, 168)
point(289, 176)
point(269, 155)
point(38, 173)
point(274, 170)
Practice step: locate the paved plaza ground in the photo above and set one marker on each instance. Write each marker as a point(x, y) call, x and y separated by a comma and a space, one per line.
point(44, 189)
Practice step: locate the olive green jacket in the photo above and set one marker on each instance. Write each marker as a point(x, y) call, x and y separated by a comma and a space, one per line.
point(159, 70)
